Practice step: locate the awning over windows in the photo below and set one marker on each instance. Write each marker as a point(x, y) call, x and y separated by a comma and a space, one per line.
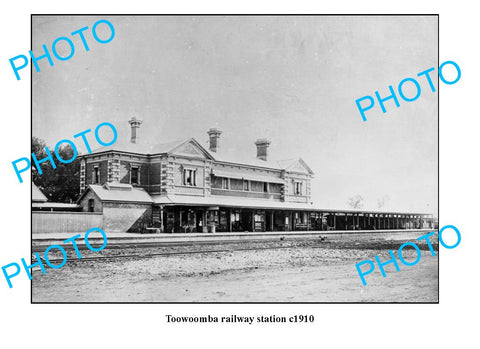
point(248, 177)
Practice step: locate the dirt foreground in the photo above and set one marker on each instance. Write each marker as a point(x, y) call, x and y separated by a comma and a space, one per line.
point(309, 273)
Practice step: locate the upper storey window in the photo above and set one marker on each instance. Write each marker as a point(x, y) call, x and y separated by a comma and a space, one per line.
point(298, 188)
point(225, 183)
point(135, 175)
point(190, 177)
point(266, 188)
point(96, 175)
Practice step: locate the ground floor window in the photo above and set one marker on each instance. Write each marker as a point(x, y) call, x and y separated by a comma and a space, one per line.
point(222, 223)
point(300, 221)
point(317, 221)
point(300, 217)
point(236, 221)
point(213, 218)
point(259, 221)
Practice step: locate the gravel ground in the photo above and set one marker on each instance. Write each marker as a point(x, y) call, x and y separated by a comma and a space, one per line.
point(295, 271)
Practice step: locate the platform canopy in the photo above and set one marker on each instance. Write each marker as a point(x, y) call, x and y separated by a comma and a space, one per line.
point(219, 201)
point(228, 202)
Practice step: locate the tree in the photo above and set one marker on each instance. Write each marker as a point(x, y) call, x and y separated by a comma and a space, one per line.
point(38, 148)
point(355, 202)
point(381, 202)
point(61, 184)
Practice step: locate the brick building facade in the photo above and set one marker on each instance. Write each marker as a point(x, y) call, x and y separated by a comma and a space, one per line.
point(183, 187)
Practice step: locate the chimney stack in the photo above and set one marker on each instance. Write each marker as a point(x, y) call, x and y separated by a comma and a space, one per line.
point(262, 148)
point(134, 124)
point(214, 135)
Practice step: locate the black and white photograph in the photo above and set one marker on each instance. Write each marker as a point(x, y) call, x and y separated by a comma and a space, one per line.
point(235, 159)
point(254, 174)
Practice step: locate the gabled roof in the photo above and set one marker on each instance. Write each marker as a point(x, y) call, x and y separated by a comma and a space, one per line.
point(151, 149)
point(117, 186)
point(190, 147)
point(138, 148)
point(37, 195)
point(124, 194)
point(180, 147)
point(234, 157)
point(295, 165)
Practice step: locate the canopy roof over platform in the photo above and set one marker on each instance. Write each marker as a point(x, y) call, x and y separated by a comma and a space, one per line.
point(214, 201)
point(228, 202)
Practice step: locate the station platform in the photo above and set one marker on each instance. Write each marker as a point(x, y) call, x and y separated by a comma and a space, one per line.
point(117, 237)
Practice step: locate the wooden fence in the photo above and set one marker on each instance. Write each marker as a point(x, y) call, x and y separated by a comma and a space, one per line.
point(65, 222)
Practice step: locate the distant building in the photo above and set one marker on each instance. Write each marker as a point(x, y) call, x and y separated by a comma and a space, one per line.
point(183, 187)
point(41, 203)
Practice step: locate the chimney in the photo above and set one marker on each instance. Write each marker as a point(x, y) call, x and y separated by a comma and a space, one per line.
point(214, 135)
point(262, 147)
point(134, 124)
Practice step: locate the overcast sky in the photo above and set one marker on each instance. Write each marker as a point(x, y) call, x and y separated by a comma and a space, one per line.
point(293, 80)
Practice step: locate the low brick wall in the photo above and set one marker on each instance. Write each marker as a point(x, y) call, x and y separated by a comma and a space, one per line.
point(65, 222)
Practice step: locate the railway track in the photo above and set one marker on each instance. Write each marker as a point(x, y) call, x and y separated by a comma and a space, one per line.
point(123, 243)
point(173, 253)
point(141, 249)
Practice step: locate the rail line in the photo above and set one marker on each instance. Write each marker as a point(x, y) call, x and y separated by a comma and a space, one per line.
point(121, 243)
point(317, 241)
point(149, 255)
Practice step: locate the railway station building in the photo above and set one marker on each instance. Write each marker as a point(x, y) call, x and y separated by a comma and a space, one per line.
point(181, 186)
